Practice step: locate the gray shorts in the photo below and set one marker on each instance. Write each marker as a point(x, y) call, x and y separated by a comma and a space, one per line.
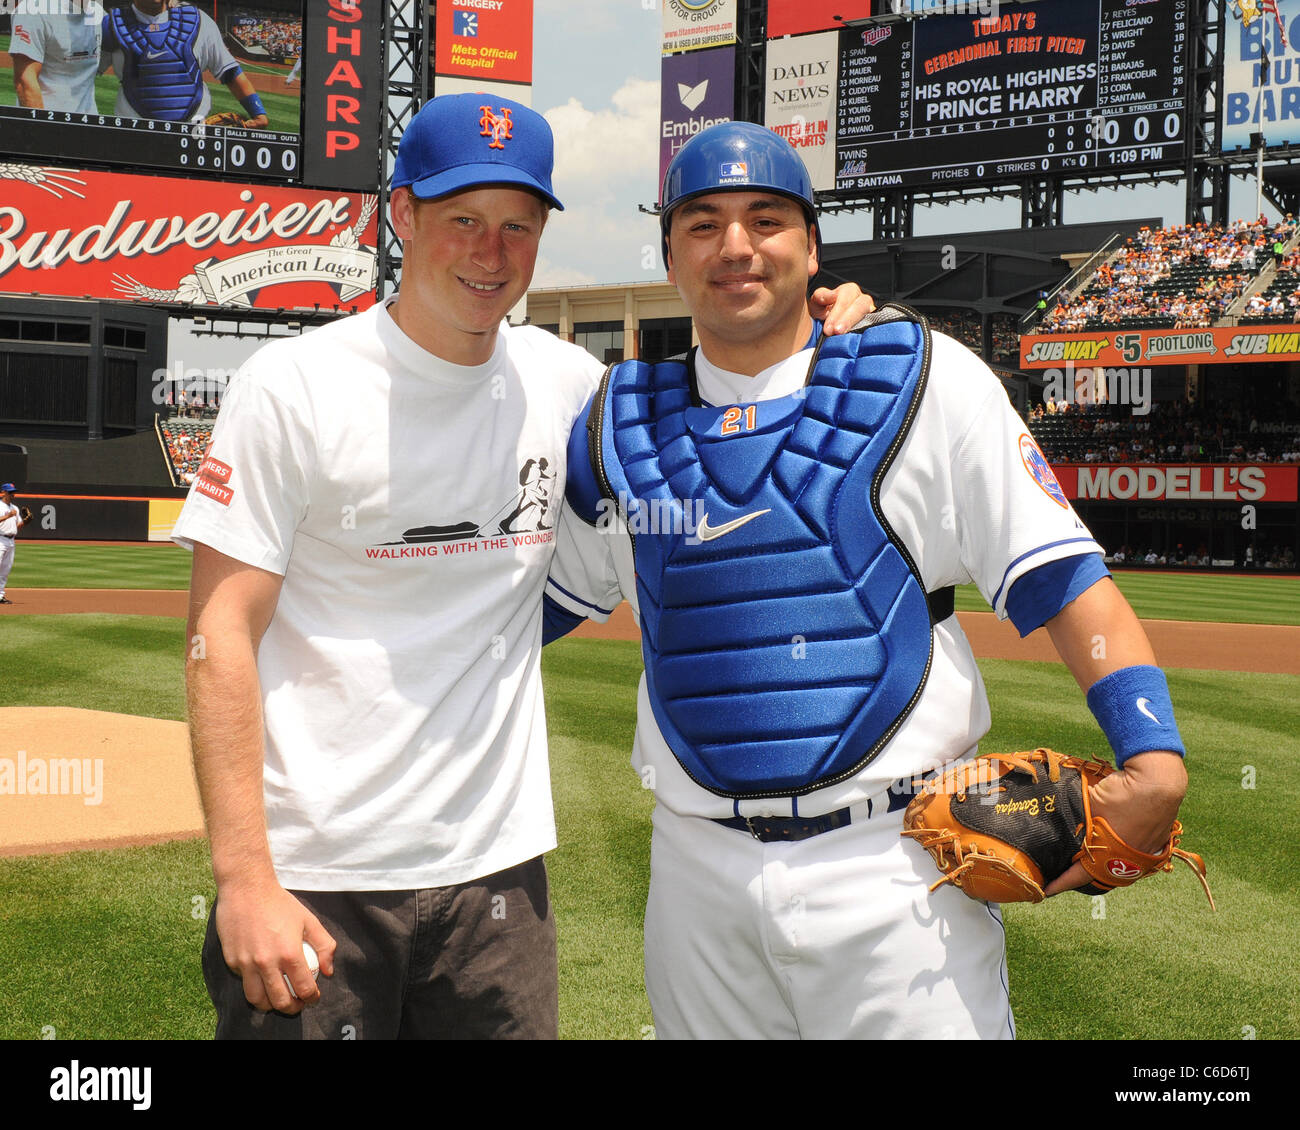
point(473, 961)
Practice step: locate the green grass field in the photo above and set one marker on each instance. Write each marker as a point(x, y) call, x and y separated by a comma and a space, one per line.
point(106, 944)
point(284, 111)
point(49, 565)
point(1155, 596)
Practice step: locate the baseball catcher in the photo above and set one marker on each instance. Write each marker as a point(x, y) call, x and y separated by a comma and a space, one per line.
point(1002, 826)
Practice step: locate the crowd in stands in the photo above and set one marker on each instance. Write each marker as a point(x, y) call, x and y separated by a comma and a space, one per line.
point(1279, 557)
point(282, 38)
point(1183, 277)
point(1170, 433)
point(1281, 301)
point(965, 326)
point(193, 405)
point(187, 443)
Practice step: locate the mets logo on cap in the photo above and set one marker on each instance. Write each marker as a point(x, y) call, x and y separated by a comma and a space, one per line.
point(1036, 464)
point(495, 126)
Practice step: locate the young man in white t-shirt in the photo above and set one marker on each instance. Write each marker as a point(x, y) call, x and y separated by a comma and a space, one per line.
point(797, 527)
point(365, 701)
point(56, 56)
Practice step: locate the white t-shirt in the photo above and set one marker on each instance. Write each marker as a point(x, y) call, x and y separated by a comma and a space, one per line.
point(405, 731)
point(963, 499)
point(67, 47)
point(212, 54)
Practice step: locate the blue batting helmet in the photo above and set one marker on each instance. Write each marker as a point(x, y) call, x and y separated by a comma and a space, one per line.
point(735, 156)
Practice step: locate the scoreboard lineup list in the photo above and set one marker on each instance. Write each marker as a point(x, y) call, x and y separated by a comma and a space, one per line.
point(1087, 87)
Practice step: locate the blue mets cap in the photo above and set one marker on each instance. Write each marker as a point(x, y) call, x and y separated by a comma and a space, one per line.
point(461, 141)
point(9, 487)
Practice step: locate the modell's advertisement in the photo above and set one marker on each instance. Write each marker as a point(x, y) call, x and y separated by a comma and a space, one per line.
point(79, 233)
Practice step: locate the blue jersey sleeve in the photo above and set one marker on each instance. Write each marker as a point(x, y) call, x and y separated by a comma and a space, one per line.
point(557, 620)
point(582, 491)
point(1041, 593)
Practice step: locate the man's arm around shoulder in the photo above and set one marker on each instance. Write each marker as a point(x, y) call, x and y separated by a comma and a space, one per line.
point(261, 925)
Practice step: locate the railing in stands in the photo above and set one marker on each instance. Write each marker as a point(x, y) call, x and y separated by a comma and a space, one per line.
point(1082, 274)
point(162, 447)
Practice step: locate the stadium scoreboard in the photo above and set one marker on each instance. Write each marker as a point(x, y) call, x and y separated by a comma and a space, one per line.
point(1086, 87)
point(179, 146)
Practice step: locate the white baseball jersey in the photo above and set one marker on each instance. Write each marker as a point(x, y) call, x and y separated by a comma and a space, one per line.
point(67, 48)
point(405, 731)
point(837, 935)
point(967, 496)
point(212, 54)
point(8, 521)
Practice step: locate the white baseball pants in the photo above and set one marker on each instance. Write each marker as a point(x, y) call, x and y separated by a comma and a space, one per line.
point(6, 562)
point(832, 937)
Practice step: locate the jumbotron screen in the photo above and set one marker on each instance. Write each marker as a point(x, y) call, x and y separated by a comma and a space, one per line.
point(132, 84)
point(1088, 86)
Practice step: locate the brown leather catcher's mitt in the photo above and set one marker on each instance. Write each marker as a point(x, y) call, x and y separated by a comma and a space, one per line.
point(228, 118)
point(1004, 825)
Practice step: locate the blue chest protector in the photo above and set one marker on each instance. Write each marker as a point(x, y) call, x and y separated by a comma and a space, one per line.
point(162, 78)
point(785, 631)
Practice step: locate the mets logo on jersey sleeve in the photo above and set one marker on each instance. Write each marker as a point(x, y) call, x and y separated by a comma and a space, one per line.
point(1039, 471)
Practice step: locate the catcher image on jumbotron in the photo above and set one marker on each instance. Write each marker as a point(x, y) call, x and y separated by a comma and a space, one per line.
point(233, 65)
point(1003, 826)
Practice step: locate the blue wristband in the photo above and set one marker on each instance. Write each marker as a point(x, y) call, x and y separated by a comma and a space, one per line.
point(253, 104)
point(1133, 708)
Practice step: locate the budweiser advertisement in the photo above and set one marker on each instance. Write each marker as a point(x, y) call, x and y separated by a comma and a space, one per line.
point(84, 234)
point(1201, 482)
point(1162, 347)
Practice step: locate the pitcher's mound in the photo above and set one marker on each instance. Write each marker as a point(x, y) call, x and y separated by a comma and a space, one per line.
point(76, 779)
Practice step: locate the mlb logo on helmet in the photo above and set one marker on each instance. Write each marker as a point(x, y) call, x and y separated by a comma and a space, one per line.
point(497, 127)
point(734, 169)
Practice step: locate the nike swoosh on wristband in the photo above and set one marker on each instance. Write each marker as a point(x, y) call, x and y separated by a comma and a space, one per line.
point(1142, 706)
point(705, 532)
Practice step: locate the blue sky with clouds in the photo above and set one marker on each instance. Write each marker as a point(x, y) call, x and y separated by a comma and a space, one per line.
point(596, 78)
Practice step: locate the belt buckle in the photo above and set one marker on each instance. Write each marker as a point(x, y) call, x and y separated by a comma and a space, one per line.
point(749, 823)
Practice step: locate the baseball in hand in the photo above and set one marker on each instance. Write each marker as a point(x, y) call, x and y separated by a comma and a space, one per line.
point(312, 963)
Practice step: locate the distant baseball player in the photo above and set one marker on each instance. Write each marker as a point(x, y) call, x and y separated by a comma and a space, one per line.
point(159, 55)
point(12, 520)
point(800, 509)
point(56, 55)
